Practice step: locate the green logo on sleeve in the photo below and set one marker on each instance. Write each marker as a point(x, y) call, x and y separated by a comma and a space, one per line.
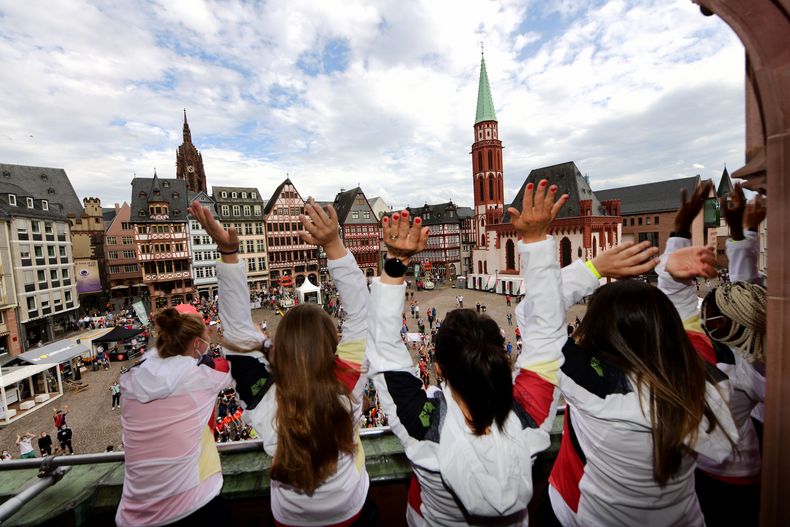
point(596, 365)
point(425, 415)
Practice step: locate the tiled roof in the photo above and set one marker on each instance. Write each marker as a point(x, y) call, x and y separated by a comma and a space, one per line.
point(661, 196)
point(437, 214)
point(569, 181)
point(51, 184)
point(171, 191)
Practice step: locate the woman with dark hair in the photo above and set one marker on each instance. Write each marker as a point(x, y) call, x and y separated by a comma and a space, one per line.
point(641, 405)
point(304, 399)
point(728, 332)
point(471, 440)
point(173, 476)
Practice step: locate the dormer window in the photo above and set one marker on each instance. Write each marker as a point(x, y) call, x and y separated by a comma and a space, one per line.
point(44, 204)
point(50, 190)
point(243, 195)
point(254, 195)
point(141, 213)
point(6, 174)
point(44, 177)
point(29, 203)
point(176, 195)
point(142, 194)
point(224, 194)
point(12, 200)
point(234, 195)
point(166, 184)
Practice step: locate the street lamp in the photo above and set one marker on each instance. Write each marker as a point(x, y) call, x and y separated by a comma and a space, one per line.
point(496, 279)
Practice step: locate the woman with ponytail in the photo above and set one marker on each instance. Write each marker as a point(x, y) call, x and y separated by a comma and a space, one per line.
point(304, 397)
point(471, 440)
point(729, 333)
point(172, 472)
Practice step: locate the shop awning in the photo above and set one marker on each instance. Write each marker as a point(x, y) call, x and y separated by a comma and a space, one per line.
point(54, 353)
point(10, 376)
point(118, 334)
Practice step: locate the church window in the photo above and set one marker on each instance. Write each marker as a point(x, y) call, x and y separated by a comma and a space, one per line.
point(479, 161)
point(12, 200)
point(481, 189)
point(499, 158)
point(485, 267)
point(490, 187)
point(490, 160)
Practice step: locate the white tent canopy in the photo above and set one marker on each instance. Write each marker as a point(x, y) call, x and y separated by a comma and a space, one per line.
point(308, 293)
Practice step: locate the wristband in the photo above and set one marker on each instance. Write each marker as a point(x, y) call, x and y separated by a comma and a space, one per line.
point(228, 253)
point(394, 267)
point(591, 266)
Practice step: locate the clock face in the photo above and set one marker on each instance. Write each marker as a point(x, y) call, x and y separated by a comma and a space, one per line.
point(190, 168)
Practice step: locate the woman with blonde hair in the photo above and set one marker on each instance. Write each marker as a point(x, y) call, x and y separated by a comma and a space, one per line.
point(304, 399)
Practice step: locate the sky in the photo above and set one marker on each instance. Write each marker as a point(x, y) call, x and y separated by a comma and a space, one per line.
point(377, 93)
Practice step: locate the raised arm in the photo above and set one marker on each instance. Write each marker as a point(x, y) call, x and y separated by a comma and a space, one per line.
point(743, 246)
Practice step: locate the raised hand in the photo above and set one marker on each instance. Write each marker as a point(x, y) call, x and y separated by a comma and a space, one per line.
point(691, 262)
point(755, 213)
point(227, 240)
point(404, 240)
point(626, 260)
point(733, 208)
point(690, 208)
point(537, 212)
point(321, 228)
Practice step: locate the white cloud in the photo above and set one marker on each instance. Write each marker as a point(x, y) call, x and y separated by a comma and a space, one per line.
point(625, 88)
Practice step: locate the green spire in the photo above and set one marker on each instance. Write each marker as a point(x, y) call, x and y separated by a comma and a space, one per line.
point(485, 104)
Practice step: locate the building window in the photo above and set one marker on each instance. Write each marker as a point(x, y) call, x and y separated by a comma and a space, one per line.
point(354, 214)
point(112, 255)
point(261, 264)
point(225, 210)
point(129, 254)
point(251, 264)
point(234, 195)
point(65, 273)
point(243, 195)
point(127, 240)
point(248, 229)
point(36, 227)
point(51, 251)
point(41, 275)
point(647, 220)
point(30, 203)
point(236, 210)
point(639, 221)
point(44, 204)
point(24, 251)
point(62, 251)
point(31, 303)
point(256, 210)
point(655, 220)
point(53, 274)
point(254, 195)
point(247, 210)
point(67, 293)
point(250, 246)
point(12, 200)
point(224, 194)
point(38, 251)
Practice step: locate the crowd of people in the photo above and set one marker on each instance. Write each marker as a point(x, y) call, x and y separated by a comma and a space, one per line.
point(662, 390)
point(63, 434)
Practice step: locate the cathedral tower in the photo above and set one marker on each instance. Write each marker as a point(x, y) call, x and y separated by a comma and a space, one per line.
point(489, 198)
point(189, 162)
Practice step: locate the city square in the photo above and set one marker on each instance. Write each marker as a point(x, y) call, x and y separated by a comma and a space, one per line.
point(171, 171)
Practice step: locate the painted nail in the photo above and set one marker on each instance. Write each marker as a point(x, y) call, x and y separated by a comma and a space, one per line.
point(405, 213)
point(543, 183)
point(396, 216)
point(553, 188)
point(529, 186)
point(417, 220)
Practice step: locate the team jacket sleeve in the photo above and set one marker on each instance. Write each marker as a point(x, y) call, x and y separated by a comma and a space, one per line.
point(743, 256)
point(249, 370)
point(352, 287)
point(541, 319)
point(682, 293)
point(409, 409)
point(577, 282)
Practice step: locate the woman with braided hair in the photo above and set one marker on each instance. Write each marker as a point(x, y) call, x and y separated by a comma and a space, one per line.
point(729, 333)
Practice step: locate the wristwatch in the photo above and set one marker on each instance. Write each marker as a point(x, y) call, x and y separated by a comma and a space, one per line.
point(394, 267)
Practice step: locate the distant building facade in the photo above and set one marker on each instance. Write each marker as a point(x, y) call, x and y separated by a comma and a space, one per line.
point(120, 253)
point(443, 251)
point(289, 255)
point(37, 203)
point(360, 229)
point(242, 208)
point(87, 238)
point(10, 344)
point(159, 215)
point(203, 249)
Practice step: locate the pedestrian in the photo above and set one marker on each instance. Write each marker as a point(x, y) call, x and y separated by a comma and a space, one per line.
point(60, 416)
point(457, 301)
point(64, 438)
point(477, 307)
point(461, 301)
point(115, 389)
point(510, 319)
point(45, 444)
point(6, 455)
point(507, 299)
point(417, 310)
point(25, 444)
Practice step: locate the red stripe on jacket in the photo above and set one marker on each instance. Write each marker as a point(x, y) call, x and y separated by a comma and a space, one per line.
point(568, 470)
point(703, 345)
point(534, 394)
point(347, 373)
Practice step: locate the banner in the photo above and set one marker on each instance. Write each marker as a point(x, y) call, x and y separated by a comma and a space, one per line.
point(139, 308)
point(88, 280)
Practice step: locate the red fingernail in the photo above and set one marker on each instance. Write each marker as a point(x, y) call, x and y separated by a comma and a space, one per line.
point(417, 220)
point(405, 213)
point(553, 188)
point(385, 219)
point(529, 186)
point(395, 216)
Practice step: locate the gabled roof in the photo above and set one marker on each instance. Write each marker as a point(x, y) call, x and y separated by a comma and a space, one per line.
point(437, 214)
point(203, 198)
point(51, 184)
point(108, 213)
point(344, 201)
point(465, 212)
point(485, 103)
point(725, 184)
point(661, 196)
point(275, 194)
point(569, 181)
point(171, 191)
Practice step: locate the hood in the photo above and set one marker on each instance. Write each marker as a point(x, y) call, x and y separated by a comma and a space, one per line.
point(491, 475)
point(157, 378)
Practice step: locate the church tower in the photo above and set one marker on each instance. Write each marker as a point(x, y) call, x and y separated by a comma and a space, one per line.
point(489, 198)
point(189, 162)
